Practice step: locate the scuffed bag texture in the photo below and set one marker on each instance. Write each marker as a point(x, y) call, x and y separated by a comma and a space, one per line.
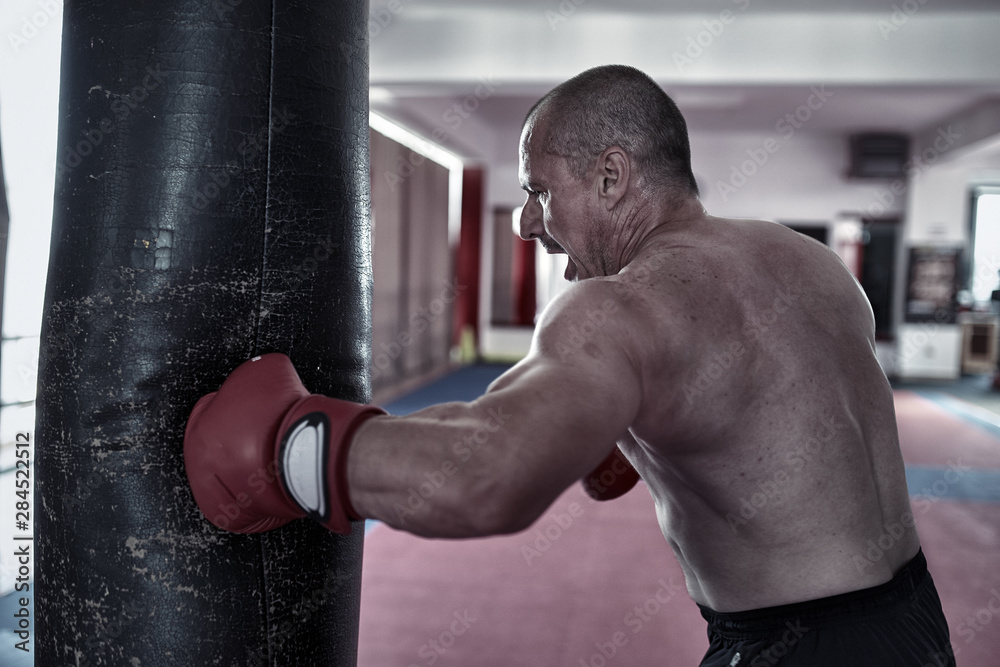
point(212, 203)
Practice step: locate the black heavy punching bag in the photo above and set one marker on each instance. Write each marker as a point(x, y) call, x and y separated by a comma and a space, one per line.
point(211, 204)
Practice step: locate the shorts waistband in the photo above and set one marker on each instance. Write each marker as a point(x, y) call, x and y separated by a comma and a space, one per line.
point(823, 611)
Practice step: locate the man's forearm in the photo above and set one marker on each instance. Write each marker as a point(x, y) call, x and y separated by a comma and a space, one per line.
point(440, 472)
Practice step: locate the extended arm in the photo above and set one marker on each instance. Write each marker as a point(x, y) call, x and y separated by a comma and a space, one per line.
point(263, 451)
point(495, 464)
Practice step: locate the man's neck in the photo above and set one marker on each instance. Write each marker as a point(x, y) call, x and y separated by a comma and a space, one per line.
point(649, 220)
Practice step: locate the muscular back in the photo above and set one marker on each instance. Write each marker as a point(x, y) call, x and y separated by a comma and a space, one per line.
point(766, 432)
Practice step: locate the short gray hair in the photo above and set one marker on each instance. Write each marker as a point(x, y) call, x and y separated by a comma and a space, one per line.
point(617, 105)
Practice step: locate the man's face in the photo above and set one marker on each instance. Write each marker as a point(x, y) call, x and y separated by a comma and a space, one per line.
point(560, 208)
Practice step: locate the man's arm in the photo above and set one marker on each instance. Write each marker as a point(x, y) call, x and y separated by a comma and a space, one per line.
point(495, 464)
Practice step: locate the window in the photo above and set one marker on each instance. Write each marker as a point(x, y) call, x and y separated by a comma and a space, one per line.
point(985, 236)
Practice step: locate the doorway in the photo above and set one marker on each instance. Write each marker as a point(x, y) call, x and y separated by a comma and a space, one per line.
point(880, 243)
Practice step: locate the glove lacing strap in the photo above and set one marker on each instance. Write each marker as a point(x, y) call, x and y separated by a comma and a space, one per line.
point(315, 436)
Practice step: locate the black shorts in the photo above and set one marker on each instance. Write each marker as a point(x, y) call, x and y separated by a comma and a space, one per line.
point(897, 624)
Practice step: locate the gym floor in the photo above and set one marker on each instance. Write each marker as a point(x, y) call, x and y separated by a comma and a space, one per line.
point(595, 583)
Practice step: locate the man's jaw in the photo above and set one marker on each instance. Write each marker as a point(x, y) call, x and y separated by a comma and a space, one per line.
point(554, 248)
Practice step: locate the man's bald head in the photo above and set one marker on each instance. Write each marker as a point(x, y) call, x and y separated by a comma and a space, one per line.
point(616, 105)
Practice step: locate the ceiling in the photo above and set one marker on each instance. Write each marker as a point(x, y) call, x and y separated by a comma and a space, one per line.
point(731, 65)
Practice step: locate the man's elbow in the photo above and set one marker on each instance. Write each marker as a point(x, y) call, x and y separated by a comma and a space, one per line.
point(497, 507)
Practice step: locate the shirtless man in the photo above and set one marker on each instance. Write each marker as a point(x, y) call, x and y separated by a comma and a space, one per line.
point(732, 362)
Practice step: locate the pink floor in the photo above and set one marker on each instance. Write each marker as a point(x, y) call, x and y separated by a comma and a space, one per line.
point(595, 583)
point(929, 435)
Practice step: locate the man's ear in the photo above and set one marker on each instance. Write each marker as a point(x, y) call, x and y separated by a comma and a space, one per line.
point(614, 170)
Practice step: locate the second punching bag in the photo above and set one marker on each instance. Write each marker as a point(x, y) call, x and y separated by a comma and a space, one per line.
point(211, 204)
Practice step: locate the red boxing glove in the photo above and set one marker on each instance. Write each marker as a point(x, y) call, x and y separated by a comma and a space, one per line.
point(614, 477)
point(262, 450)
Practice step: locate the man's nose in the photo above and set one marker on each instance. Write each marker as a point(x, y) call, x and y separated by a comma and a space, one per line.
point(531, 219)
